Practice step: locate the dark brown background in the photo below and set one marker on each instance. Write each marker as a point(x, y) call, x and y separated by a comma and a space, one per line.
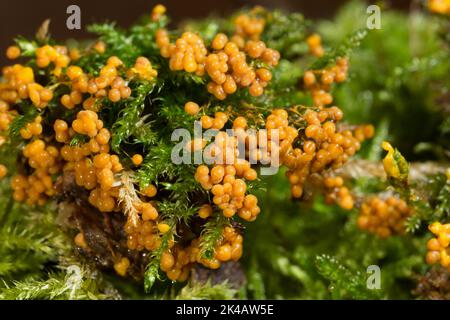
point(23, 17)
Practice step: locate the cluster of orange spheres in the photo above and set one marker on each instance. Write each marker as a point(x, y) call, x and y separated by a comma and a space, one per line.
point(56, 55)
point(217, 122)
point(6, 117)
point(20, 84)
point(39, 95)
point(314, 42)
point(228, 191)
point(96, 175)
point(108, 84)
point(226, 64)
point(32, 128)
point(259, 144)
point(323, 147)
point(37, 187)
point(93, 167)
point(337, 193)
point(249, 25)
point(188, 53)
point(142, 69)
point(144, 234)
point(62, 131)
point(87, 123)
point(225, 179)
point(438, 247)
point(176, 263)
point(319, 82)
point(384, 217)
point(228, 68)
point(177, 260)
point(328, 146)
point(279, 120)
point(229, 248)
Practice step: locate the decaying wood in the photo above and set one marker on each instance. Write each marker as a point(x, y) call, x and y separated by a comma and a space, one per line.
point(434, 285)
point(107, 240)
point(231, 272)
point(103, 232)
